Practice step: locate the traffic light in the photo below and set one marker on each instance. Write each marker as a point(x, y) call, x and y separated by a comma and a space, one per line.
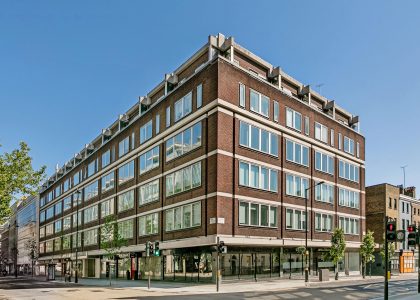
point(221, 248)
point(391, 231)
point(151, 252)
point(147, 248)
point(412, 235)
point(157, 250)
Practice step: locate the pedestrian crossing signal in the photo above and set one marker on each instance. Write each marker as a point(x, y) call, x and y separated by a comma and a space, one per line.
point(391, 231)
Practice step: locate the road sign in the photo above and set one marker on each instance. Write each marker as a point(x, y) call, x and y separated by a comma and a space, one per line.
point(401, 235)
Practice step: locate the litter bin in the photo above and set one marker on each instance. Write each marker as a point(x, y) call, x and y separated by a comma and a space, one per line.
point(324, 275)
point(136, 275)
point(128, 275)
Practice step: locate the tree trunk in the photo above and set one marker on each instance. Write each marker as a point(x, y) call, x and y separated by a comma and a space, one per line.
point(336, 272)
point(364, 269)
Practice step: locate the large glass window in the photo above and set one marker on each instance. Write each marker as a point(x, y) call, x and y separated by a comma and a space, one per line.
point(296, 185)
point(295, 219)
point(257, 176)
point(66, 242)
point(106, 158)
point(77, 219)
point(57, 226)
point(50, 212)
point(146, 132)
point(90, 237)
point(124, 147)
point(149, 224)
point(149, 160)
point(67, 203)
point(183, 217)
point(107, 182)
point(77, 243)
point(258, 139)
point(324, 193)
point(348, 198)
point(125, 229)
point(66, 223)
point(58, 191)
point(149, 192)
point(92, 168)
point(91, 190)
point(324, 162)
point(349, 225)
point(349, 145)
point(90, 214)
point(66, 185)
point(107, 208)
point(183, 107)
point(184, 179)
point(49, 229)
point(293, 119)
point(321, 132)
point(126, 201)
point(297, 153)
point(255, 214)
point(348, 171)
point(183, 142)
point(58, 208)
point(126, 172)
point(76, 178)
point(260, 103)
point(323, 222)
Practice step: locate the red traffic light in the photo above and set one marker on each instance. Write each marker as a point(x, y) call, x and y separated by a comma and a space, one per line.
point(411, 228)
point(391, 227)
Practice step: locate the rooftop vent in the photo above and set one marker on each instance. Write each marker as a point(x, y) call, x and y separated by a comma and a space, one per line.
point(78, 157)
point(144, 103)
point(69, 165)
point(171, 81)
point(89, 148)
point(124, 119)
point(106, 134)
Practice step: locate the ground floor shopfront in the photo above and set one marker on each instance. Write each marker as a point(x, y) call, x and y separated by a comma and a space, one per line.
point(199, 264)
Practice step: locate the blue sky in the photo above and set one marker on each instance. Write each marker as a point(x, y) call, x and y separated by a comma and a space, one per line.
point(68, 68)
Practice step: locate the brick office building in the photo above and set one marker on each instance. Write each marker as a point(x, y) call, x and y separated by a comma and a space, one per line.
point(225, 146)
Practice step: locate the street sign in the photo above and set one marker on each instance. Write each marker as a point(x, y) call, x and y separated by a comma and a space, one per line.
point(401, 235)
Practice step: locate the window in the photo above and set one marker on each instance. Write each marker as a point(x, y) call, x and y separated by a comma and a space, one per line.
point(323, 222)
point(106, 158)
point(183, 217)
point(49, 246)
point(107, 182)
point(58, 208)
point(107, 208)
point(77, 199)
point(199, 95)
point(254, 214)
point(66, 223)
point(66, 185)
point(297, 153)
point(49, 229)
point(293, 119)
point(50, 196)
point(324, 193)
point(296, 186)
point(183, 107)
point(168, 116)
point(258, 139)
point(124, 147)
point(184, 179)
point(149, 160)
point(41, 247)
point(324, 163)
point(125, 229)
point(340, 141)
point(349, 225)
point(77, 219)
point(50, 212)
point(57, 226)
point(183, 142)
point(348, 198)
point(321, 132)
point(149, 192)
point(76, 178)
point(332, 137)
point(257, 176)
point(90, 214)
point(126, 201)
point(57, 244)
point(348, 171)
point(58, 191)
point(77, 243)
point(126, 172)
point(42, 232)
point(348, 145)
point(390, 202)
point(42, 201)
point(357, 149)
point(276, 111)
point(260, 103)
point(91, 190)
point(66, 242)
point(67, 203)
point(242, 95)
point(90, 237)
point(92, 168)
point(146, 132)
point(295, 219)
point(157, 124)
point(148, 224)
point(42, 216)
point(306, 125)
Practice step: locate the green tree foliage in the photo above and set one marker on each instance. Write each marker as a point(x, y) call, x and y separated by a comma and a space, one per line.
point(366, 250)
point(338, 246)
point(17, 177)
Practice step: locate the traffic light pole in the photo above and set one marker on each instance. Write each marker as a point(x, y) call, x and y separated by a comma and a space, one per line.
point(386, 261)
point(217, 267)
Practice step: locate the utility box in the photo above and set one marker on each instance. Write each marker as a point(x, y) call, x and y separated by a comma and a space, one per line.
point(324, 275)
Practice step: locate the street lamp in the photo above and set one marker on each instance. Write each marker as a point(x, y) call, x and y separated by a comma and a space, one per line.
point(306, 230)
point(78, 193)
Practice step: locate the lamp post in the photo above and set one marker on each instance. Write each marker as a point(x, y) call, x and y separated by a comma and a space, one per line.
point(306, 230)
point(78, 193)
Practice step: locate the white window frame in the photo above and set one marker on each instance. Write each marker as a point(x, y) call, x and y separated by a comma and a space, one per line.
point(303, 186)
point(199, 95)
point(348, 145)
point(242, 95)
point(321, 132)
point(292, 123)
point(294, 160)
point(329, 158)
point(186, 104)
point(272, 138)
point(260, 176)
point(303, 219)
point(269, 221)
point(322, 222)
point(146, 132)
point(261, 97)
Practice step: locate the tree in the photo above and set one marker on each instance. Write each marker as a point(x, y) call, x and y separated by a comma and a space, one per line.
point(391, 251)
point(32, 248)
point(338, 246)
point(111, 240)
point(17, 177)
point(301, 250)
point(366, 251)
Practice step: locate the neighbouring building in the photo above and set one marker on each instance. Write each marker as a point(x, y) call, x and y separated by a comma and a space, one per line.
point(226, 147)
point(398, 203)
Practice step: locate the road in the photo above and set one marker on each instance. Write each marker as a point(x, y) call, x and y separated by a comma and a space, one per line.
point(28, 289)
